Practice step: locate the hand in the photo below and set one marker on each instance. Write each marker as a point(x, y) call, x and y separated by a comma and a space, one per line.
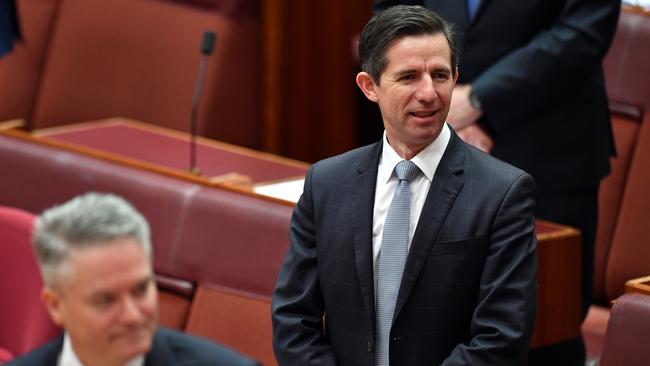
point(461, 112)
point(476, 136)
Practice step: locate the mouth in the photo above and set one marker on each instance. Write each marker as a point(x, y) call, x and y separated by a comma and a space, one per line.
point(423, 114)
point(132, 334)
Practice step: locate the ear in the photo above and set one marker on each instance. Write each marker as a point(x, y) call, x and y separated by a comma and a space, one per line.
point(367, 86)
point(456, 75)
point(54, 304)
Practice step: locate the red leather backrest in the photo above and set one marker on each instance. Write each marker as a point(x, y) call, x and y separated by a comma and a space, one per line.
point(628, 83)
point(200, 234)
point(140, 59)
point(628, 332)
point(21, 69)
point(629, 255)
point(237, 241)
point(24, 322)
point(627, 70)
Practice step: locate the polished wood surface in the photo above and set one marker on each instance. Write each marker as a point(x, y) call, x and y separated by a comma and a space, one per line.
point(559, 297)
point(309, 71)
point(639, 285)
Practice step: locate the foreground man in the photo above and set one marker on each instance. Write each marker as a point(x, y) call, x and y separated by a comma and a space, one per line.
point(418, 249)
point(95, 257)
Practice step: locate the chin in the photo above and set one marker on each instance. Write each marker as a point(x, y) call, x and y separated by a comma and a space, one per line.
point(134, 351)
point(132, 348)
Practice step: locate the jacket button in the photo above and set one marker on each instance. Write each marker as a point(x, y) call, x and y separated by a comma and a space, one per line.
point(371, 347)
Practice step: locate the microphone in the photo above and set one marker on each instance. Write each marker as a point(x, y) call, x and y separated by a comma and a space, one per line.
point(207, 46)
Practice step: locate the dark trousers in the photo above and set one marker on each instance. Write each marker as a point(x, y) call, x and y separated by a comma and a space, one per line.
point(579, 210)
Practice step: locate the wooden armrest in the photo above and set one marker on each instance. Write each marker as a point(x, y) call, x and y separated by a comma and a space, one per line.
point(12, 124)
point(639, 285)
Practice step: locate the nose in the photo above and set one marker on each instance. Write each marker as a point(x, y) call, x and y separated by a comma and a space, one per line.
point(131, 312)
point(426, 91)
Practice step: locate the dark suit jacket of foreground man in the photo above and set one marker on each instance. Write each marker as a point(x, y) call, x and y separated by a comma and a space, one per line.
point(467, 296)
point(168, 348)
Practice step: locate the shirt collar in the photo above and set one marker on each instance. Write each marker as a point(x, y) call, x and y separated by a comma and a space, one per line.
point(426, 160)
point(69, 358)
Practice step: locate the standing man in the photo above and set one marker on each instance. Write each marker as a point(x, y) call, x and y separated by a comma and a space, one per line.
point(531, 85)
point(415, 250)
point(95, 257)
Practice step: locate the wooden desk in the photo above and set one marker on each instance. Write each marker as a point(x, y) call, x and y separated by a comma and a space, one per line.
point(558, 315)
point(167, 151)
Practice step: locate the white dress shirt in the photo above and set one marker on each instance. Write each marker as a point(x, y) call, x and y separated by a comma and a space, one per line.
point(69, 358)
point(427, 160)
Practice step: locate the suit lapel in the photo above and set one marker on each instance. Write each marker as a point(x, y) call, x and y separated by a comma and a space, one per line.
point(363, 198)
point(445, 186)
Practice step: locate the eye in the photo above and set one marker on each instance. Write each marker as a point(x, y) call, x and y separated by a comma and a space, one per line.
point(103, 301)
point(141, 290)
point(441, 76)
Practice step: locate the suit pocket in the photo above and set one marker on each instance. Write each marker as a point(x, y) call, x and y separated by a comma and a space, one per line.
point(457, 247)
point(454, 267)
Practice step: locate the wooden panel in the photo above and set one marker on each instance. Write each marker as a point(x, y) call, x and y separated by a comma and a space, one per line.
point(240, 321)
point(310, 105)
point(173, 310)
point(558, 315)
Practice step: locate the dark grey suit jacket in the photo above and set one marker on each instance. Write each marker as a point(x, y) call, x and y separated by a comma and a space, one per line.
point(536, 66)
point(467, 296)
point(169, 348)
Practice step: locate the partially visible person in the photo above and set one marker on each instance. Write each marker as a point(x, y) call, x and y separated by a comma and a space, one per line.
point(9, 28)
point(95, 257)
point(531, 91)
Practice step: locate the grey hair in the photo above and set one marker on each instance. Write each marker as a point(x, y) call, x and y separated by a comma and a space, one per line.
point(92, 219)
point(395, 23)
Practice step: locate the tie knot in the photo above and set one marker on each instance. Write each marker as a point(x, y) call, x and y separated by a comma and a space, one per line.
point(406, 170)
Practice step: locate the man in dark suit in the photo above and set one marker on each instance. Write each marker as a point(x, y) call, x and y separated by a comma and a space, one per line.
point(464, 292)
point(531, 91)
point(95, 257)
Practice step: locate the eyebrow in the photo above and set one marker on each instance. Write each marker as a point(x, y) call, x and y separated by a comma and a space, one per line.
point(404, 72)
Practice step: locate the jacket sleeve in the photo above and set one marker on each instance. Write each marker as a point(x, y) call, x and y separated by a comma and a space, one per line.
point(502, 323)
point(559, 57)
point(298, 306)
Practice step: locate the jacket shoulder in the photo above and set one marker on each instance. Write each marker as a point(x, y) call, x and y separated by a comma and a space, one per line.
point(347, 161)
point(200, 351)
point(46, 355)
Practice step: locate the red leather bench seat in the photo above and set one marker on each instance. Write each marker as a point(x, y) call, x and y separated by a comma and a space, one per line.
point(622, 249)
point(204, 238)
point(85, 60)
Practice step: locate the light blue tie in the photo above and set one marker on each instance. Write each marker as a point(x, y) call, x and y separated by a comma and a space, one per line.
point(472, 7)
point(392, 256)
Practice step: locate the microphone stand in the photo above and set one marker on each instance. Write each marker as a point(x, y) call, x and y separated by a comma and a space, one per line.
point(207, 45)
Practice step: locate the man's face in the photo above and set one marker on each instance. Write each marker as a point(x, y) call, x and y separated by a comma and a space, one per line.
point(107, 302)
point(414, 91)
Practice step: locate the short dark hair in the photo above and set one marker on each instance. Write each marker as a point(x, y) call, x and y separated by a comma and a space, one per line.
point(397, 22)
